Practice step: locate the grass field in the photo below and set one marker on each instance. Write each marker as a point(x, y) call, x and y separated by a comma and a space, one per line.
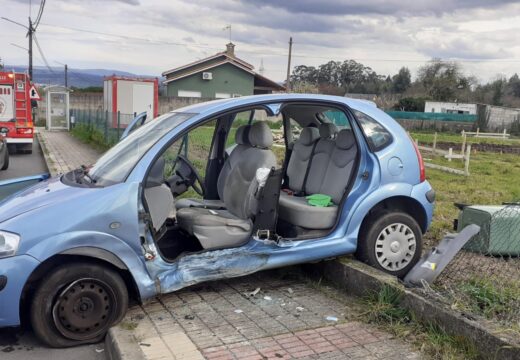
point(493, 179)
point(427, 138)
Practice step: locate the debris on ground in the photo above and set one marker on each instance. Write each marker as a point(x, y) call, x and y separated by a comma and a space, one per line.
point(238, 311)
point(290, 291)
point(299, 308)
point(331, 318)
point(268, 298)
point(253, 293)
point(99, 350)
point(189, 317)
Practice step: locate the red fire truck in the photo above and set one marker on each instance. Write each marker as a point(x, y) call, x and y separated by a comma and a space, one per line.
point(16, 93)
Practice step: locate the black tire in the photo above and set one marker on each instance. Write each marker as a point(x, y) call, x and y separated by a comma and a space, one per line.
point(6, 160)
point(77, 304)
point(371, 236)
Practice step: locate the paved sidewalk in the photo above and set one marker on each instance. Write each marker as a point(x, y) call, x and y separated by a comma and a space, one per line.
point(63, 152)
point(286, 319)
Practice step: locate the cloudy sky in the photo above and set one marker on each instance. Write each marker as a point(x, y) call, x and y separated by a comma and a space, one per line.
point(150, 36)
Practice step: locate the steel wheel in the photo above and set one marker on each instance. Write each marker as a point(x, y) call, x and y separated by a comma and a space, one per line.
point(77, 303)
point(84, 309)
point(395, 247)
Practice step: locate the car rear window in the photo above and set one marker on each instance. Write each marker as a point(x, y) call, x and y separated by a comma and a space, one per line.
point(378, 137)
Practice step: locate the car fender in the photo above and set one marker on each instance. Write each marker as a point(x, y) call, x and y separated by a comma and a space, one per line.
point(366, 204)
point(101, 246)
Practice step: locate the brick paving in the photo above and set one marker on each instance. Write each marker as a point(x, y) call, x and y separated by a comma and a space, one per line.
point(63, 152)
point(286, 319)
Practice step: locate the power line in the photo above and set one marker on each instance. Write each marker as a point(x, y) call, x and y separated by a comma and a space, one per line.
point(40, 13)
point(42, 55)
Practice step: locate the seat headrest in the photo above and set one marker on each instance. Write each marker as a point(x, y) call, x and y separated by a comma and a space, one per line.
point(328, 130)
point(308, 135)
point(156, 175)
point(241, 137)
point(345, 139)
point(260, 135)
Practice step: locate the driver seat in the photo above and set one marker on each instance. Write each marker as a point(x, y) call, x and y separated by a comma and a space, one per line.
point(216, 229)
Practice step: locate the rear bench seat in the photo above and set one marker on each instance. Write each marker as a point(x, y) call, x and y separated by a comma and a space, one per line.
point(329, 168)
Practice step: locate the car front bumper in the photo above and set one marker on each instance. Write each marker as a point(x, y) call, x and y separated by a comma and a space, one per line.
point(14, 272)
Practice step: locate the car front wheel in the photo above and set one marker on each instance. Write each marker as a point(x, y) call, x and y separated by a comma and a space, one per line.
point(77, 304)
point(390, 241)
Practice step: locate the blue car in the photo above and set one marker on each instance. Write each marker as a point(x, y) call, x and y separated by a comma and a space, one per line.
point(215, 190)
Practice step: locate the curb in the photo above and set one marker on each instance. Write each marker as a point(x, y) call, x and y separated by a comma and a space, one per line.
point(121, 345)
point(48, 161)
point(361, 280)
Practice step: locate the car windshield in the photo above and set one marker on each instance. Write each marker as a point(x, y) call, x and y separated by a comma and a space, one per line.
point(115, 165)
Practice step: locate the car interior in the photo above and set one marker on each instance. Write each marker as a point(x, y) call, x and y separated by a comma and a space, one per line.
point(252, 173)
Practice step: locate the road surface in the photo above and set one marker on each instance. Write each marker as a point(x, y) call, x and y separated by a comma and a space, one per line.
point(18, 345)
point(25, 164)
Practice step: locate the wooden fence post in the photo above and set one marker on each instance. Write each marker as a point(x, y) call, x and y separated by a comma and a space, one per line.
point(450, 154)
point(434, 142)
point(463, 149)
point(466, 160)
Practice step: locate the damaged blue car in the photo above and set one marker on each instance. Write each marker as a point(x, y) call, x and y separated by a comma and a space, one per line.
point(210, 191)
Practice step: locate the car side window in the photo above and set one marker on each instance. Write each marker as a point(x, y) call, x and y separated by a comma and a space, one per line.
point(195, 146)
point(378, 137)
point(337, 117)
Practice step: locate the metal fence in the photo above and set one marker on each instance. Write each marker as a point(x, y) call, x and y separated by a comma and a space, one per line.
point(410, 115)
point(484, 277)
point(103, 127)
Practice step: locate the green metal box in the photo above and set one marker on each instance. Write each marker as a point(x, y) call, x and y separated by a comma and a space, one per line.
point(500, 229)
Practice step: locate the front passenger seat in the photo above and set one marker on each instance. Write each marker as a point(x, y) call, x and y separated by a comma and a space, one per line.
point(232, 227)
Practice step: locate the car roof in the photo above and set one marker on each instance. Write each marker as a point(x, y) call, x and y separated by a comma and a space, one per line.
point(213, 106)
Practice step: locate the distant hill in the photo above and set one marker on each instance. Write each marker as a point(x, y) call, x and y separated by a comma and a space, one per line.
point(80, 78)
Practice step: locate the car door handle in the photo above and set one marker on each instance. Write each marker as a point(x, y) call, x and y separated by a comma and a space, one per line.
point(365, 175)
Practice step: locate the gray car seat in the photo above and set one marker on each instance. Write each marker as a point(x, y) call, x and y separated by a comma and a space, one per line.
point(232, 227)
point(330, 170)
point(300, 158)
point(158, 196)
point(242, 141)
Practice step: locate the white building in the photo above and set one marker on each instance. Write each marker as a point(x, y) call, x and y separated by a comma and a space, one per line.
point(450, 108)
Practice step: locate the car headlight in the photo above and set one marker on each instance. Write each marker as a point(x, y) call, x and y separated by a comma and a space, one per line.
point(8, 244)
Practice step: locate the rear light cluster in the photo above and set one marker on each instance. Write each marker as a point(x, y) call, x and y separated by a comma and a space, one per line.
point(24, 131)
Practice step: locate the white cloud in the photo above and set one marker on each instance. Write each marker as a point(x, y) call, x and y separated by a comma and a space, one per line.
point(162, 34)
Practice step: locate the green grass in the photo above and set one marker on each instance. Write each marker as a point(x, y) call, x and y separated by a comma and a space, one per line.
point(483, 297)
point(493, 180)
point(384, 310)
point(91, 136)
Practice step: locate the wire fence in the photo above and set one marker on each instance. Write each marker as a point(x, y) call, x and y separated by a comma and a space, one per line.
point(100, 127)
point(484, 277)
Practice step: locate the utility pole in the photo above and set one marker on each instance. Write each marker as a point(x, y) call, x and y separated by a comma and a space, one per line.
point(30, 32)
point(66, 75)
point(288, 81)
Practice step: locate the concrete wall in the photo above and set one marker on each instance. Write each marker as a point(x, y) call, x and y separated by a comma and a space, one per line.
point(501, 118)
point(449, 107)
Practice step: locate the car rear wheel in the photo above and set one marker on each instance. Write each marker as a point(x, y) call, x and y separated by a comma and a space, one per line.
point(77, 304)
point(390, 241)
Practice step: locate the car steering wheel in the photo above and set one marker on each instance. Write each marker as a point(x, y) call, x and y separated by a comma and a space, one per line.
point(189, 175)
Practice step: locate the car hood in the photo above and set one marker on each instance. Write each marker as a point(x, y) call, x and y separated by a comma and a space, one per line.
point(45, 193)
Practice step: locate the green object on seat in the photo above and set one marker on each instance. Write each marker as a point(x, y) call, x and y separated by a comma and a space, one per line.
point(320, 200)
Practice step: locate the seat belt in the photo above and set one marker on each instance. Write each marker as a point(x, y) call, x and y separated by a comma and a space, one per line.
point(308, 167)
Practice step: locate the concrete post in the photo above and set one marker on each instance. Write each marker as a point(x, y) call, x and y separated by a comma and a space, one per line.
point(463, 149)
point(434, 142)
point(450, 154)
